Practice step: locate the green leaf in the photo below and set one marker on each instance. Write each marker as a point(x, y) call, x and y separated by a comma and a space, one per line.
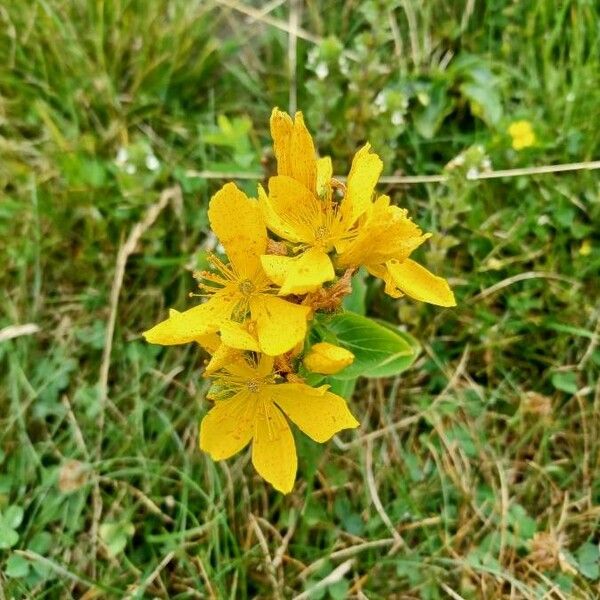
point(342, 387)
point(429, 119)
point(380, 349)
point(485, 102)
point(479, 86)
point(355, 301)
point(588, 560)
point(565, 381)
point(522, 524)
point(41, 542)
point(115, 536)
point(17, 566)
point(339, 589)
point(8, 536)
point(317, 594)
point(13, 516)
point(351, 520)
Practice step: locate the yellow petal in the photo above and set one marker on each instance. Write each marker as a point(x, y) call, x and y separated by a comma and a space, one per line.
point(324, 175)
point(318, 413)
point(385, 233)
point(223, 356)
point(228, 426)
point(280, 324)
point(381, 271)
point(276, 267)
point(327, 358)
point(279, 224)
point(210, 342)
point(299, 274)
point(235, 335)
point(192, 324)
point(273, 448)
point(239, 224)
point(364, 173)
point(294, 148)
point(246, 368)
point(281, 132)
point(264, 366)
point(291, 211)
point(418, 283)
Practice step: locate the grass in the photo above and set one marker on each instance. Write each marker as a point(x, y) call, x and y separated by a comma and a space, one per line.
point(485, 456)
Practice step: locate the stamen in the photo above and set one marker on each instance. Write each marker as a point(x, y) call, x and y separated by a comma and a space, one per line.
point(253, 385)
point(321, 232)
point(246, 287)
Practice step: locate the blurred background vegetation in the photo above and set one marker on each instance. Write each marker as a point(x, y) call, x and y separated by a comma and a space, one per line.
point(482, 480)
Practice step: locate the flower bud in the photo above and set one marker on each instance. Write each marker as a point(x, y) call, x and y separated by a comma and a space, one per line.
point(327, 359)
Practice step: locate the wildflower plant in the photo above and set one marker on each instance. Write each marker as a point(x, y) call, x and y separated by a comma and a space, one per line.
point(275, 313)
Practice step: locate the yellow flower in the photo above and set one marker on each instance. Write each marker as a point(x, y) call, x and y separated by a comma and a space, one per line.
point(237, 290)
point(327, 359)
point(522, 135)
point(301, 208)
point(383, 242)
point(220, 354)
point(586, 248)
point(250, 405)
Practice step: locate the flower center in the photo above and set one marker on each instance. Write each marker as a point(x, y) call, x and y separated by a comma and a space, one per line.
point(253, 386)
point(321, 232)
point(246, 287)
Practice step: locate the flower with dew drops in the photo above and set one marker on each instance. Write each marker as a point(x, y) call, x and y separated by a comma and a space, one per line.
point(300, 206)
point(237, 290)
point(251, 405)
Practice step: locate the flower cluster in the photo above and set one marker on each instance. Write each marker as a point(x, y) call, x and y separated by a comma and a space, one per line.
point(261, 298)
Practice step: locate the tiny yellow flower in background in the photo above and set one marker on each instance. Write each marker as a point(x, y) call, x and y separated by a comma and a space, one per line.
point(522, 134)
point(586, 248)
point(327, 359)
point(250, 405)
point(238, 289)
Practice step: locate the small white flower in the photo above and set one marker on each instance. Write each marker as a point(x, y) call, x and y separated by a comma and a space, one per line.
point(322, 70)
point(543, 220)
point(472, 173)
point(152, 163)
point(122, 156)
point(130, 169)
point(397, 118)
point(381, 101)
point(486, 164)
point(313, 55)
point(344, 65)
